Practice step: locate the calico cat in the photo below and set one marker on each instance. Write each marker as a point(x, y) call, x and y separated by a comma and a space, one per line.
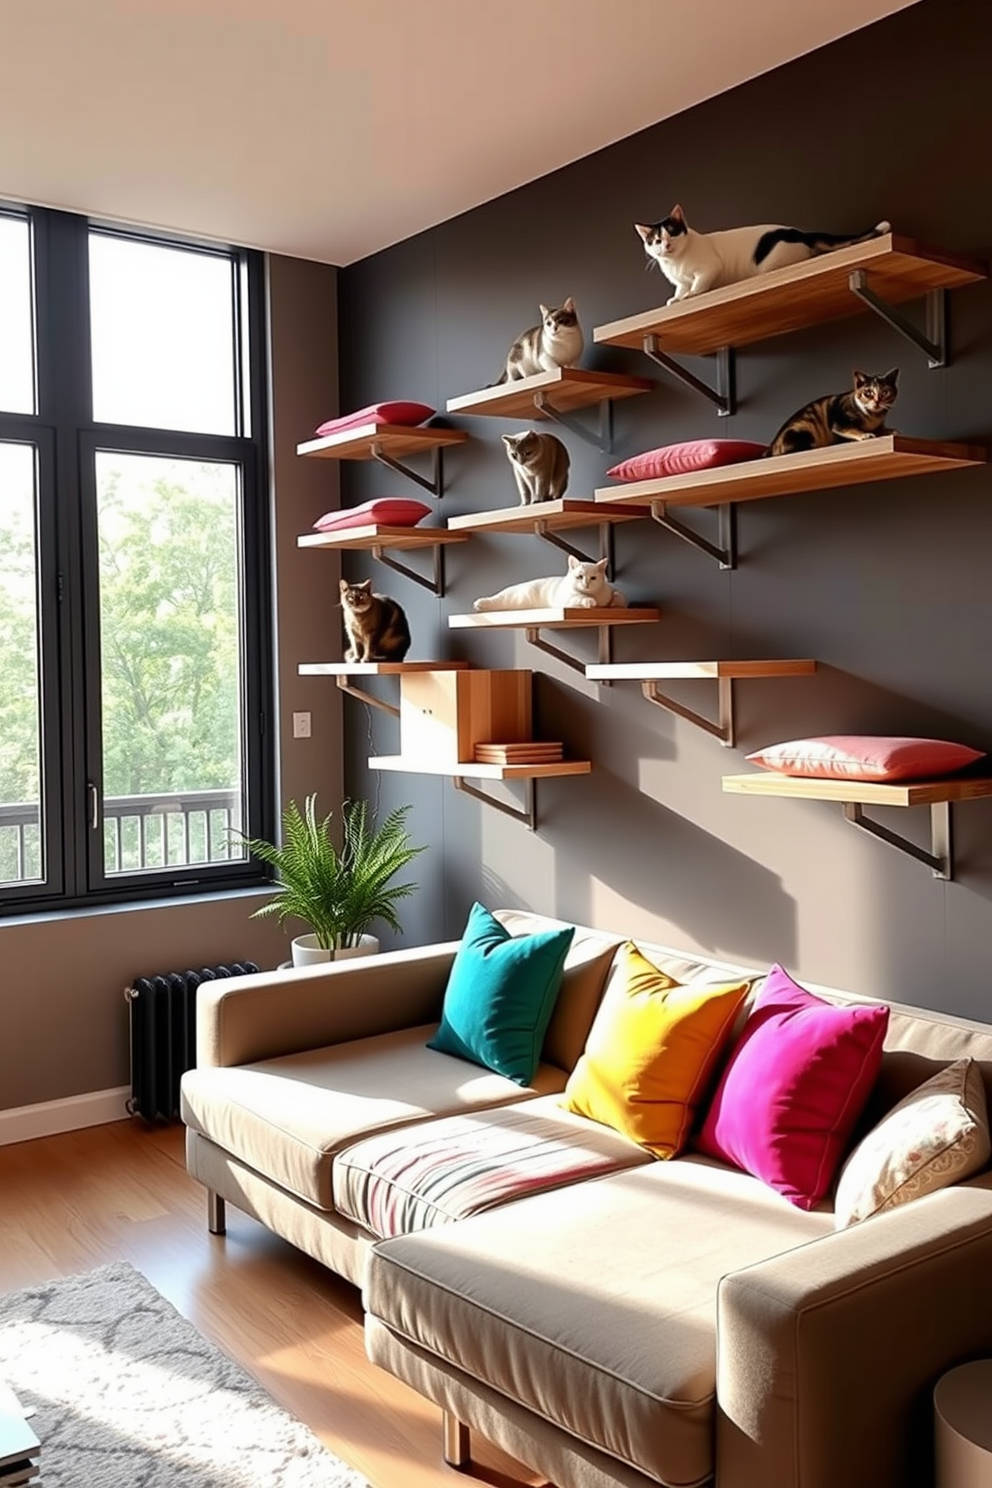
point(858, 414)
point(584, 587)
point(376, 626)
point(540, 465)
point(556, 342)
point(696, 262)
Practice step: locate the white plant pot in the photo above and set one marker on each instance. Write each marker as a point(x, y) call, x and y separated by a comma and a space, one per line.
point(307, 952)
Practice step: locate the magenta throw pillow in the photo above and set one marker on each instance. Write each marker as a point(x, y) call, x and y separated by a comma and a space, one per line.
point(795, 1085)
point(399, 412)
point(683, 459)
point(385, 511)
point(865, 757)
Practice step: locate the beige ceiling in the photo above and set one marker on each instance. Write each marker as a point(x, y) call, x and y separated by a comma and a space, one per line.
point(330, 128)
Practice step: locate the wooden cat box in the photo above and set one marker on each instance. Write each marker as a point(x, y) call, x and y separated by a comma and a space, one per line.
point(443, 715)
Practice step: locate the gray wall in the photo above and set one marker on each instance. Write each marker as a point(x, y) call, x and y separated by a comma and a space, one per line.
point(63, 1019)
point(886, 585)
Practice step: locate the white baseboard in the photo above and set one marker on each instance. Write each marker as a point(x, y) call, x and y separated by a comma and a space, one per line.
point(24, 1123)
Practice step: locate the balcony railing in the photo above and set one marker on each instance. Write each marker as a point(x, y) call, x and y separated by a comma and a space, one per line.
point(173, 830)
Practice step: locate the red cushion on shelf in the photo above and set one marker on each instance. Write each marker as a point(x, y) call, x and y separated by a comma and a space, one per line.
point(683, 459)
point(400, 412)
point(385, 511)
point(865, 757)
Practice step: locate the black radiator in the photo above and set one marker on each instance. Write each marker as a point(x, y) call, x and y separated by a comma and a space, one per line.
point(163, 1035)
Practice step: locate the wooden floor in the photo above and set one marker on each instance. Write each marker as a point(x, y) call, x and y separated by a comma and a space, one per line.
point(120, 1192)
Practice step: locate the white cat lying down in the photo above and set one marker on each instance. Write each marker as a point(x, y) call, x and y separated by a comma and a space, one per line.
point(584, 587)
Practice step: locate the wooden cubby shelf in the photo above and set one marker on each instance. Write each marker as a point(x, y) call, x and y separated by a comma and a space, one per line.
point(724, 673)
point(342, 671)
point(854, 795)
point(532, 622)
point(388, 443)
point(555, 395)
point(549, 519)
point(806, 294)
point(376, 539)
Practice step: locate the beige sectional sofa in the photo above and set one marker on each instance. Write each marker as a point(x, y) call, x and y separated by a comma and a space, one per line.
point(631, 1322)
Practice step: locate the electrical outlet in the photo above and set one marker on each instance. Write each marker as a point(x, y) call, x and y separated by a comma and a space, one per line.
point(301, 725)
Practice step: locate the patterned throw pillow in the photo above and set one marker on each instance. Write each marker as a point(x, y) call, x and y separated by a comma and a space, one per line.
point(936, 1136)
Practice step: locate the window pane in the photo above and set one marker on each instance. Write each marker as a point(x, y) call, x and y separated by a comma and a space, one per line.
point(16, 317)
point(171, 639)
point(162, 329)
point(20, 708)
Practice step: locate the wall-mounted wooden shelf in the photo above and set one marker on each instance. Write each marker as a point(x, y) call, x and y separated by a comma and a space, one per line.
point(548, 519)
point(532, 622)
point(376, 539)
point(854, 795)
point(463, 771)
point(341, 671)
point(724, 673)
point(555, 395)
point(388, 443)
point(788, 299)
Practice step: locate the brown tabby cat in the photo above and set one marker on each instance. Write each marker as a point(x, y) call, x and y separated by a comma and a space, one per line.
point(375, 625)
point(859, 414)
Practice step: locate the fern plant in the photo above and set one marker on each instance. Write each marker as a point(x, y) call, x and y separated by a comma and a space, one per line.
point(339, 893)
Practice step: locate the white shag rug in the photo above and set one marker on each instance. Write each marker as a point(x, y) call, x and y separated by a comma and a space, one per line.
point(129, 1395)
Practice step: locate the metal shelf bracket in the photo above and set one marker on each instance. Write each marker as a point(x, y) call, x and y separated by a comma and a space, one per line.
point(602, 441)
point(724, 395)
point(527, 814)
point(533, 634)
point(434, 483)
point(940, 859)
point(933, 344)
point(606, 545)
point(722, 730)
point(366, 697)
point(724, 552)
point(435, 585)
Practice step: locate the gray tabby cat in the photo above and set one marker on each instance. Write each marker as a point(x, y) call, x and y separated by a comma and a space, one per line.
point(556, 342)
point(375, 625)
point(540, 465)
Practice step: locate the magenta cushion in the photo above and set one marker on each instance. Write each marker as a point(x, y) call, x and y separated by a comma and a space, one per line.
point(795, 1085)
point(404, 413)
point(683, 459)
point(865, 757)
point(386, 511)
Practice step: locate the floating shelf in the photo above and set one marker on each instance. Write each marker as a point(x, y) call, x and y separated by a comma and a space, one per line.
point(342, 670)
point(548, 519)
point(387, 443)
point(534, 621)
point(376, 539)
point(725, 673)
point(463, 771)
point(853, 795)
point(555, 395)
point(801, 295)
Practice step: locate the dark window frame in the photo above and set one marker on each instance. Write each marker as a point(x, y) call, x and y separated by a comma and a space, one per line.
point(66, 436)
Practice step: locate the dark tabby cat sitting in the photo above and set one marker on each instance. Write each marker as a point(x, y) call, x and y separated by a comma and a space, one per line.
point(556, 342)
point(859, 414)
point(375, 625)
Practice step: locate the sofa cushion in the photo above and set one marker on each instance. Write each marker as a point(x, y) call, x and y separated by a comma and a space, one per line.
point(287, 1117)
point(406, 1180)
point(594, 1306)
point(651, 1051)
point(500, 994)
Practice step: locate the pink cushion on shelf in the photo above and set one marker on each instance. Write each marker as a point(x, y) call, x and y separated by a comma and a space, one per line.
point(865, 757)
point(398, 412)
point(794, 1087)
point(683, 459)
point(386, 511)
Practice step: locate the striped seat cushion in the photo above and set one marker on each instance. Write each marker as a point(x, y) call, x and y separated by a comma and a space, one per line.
point(415, 1177)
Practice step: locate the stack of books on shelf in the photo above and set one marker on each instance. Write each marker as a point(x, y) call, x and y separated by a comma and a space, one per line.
point(526, 752)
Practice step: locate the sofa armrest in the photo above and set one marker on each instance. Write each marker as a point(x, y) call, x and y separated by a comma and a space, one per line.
point(827, 1355)
point(243, 1019)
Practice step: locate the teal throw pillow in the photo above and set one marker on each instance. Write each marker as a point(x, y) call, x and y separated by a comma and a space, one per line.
point(500, 996)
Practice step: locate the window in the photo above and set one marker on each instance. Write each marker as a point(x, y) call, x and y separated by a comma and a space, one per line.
point(133, 564)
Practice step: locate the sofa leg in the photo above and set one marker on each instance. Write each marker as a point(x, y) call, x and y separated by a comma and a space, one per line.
point(216, 1213)
point(456, 1442)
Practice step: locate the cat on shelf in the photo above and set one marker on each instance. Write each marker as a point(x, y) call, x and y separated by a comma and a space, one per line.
point(838, 417)
point(540, 465)
point(375, 626)
point(584, 587)
point(697, 261)
point(556, 342)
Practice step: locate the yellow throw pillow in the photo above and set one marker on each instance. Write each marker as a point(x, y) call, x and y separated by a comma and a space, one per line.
point(650, 1053)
